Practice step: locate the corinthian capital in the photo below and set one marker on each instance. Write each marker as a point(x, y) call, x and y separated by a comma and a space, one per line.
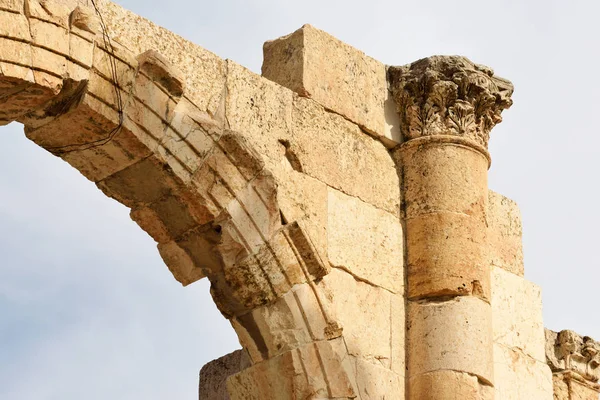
point(449, 95)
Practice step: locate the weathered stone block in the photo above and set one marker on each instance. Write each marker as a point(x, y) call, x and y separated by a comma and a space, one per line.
point(443, 177)
point(50, 36)
point(213, 375)
point(288, 130)
point(15, 6)
point(365, 240)
point(446, 256)
point(375, 383)
point(459, 337)
point(261, 110)
point(307, 206)
point(365, 313)
point(518, 376)
point(505, 246)
point(14, 26)
point(179, 263)
point(343, 79)
point(20, 74)
point(398, 340)
point(516, 326)
point(446, 384)
point(55, 12)
point(335, 151)
point(292, 321)
point(204, 72)
point(319, 370)
point(81, 50)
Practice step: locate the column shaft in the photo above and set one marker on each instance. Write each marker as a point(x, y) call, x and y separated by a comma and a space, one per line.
point(447, 107)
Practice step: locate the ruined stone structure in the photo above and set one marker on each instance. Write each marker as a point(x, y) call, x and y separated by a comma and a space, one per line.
point(339, 207)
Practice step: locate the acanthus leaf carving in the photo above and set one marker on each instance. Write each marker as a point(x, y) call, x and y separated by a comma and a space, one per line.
point(567, 351)
point(449, 95)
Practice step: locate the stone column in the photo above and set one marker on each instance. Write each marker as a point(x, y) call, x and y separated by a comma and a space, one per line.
point(447, 107)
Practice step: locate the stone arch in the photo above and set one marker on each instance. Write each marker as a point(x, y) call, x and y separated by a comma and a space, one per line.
point(131, 123)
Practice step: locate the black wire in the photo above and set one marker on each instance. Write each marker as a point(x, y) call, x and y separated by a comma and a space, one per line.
point(113, 64)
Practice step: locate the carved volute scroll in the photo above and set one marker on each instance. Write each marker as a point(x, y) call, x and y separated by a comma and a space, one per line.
point(449, 95)
point(566, 351)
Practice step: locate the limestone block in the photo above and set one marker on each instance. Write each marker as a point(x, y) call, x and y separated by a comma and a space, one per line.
point(54, 12)
point(144, 182)
point(17, 73)
point(319, 370)
point(147, 219)
point(446, 384)
point(260, 109)
point(308, 206)
point(339, 77)
point(458, 333)
point(13, 51)
point(247, 192)
point(14, 26)
point(49, 68)
point(335, 151)
point(516, 326)
point(298, 132)
point(84, 19)
point(50, 36)
point(115, 64)
point(204, 72)
point(76, 72)
point(81, 50)
point(158, 69)
point(518, 376)
point(443, 177)
point(105, 90)
point(249, 280)
point(398, 332)
point(179, 263)
point(15, 6)
point(151, 95)
point(292, 321)
point(213, 375)
point(374, 382)
point(446, 256)
point(505, 245)
point(99, 157)
point(365, 314)
point(93, 144)
point(365, 240)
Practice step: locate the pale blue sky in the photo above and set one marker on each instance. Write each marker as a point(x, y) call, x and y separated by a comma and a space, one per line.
point(87, 308)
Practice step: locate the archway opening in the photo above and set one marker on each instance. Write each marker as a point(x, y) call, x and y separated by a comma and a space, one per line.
point(88, 305)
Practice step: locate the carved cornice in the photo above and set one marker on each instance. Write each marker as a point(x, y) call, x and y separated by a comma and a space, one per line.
point(449, 95)
point(566, 351)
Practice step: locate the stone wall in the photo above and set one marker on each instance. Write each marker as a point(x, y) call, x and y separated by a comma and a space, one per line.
point(338, 206)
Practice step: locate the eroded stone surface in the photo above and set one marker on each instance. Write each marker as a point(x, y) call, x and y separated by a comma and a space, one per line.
point(519, 376)
point(343, 79)
point(505, 247)
point(450, 335)
point(515, 326)
point(379, 258)
point(213, 376)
